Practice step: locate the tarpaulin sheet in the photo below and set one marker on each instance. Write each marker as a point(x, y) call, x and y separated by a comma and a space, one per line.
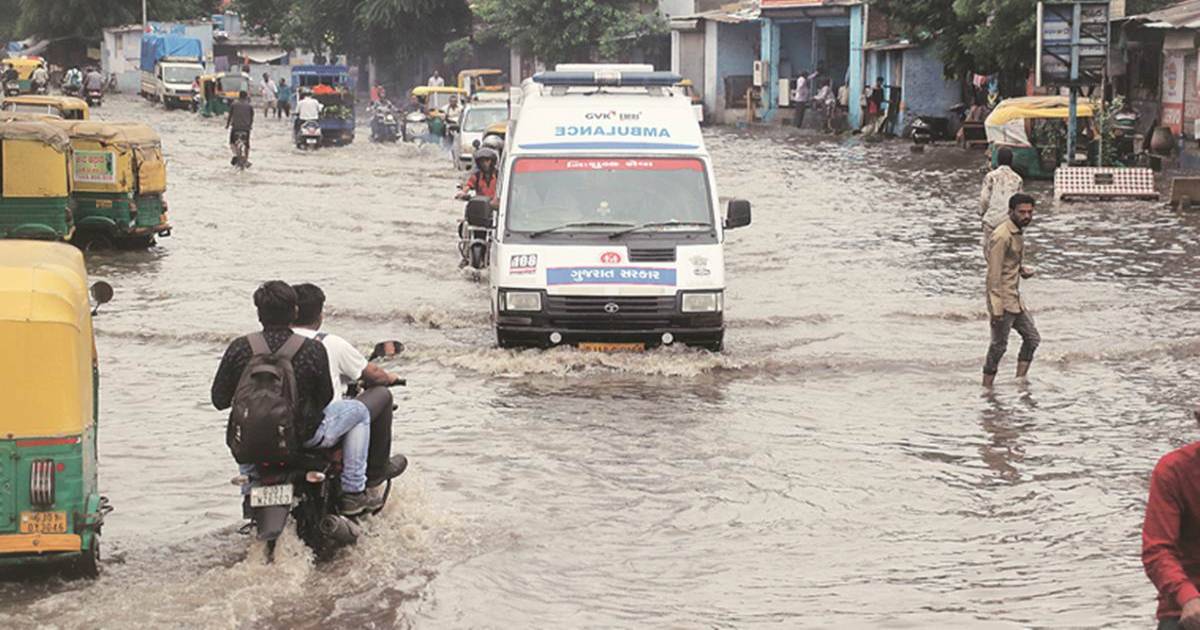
point(156, 47)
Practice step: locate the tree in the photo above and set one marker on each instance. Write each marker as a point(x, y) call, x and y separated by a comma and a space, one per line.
point(85, 18)
point(557, 31)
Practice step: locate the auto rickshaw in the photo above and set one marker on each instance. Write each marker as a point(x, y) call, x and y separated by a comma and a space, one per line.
point(51, 510)
point(688, 90)
point(25, 67)
point(219, 90)
point(35, 181)
point(474, 80)
point(433, 102)
point(120, 178)
point(65, 107)
point(1024, 124)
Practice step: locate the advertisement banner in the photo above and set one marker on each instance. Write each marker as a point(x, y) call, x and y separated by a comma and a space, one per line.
point(95, 167)
point(1173, 81)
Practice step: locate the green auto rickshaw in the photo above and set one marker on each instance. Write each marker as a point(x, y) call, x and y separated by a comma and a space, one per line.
point(51, 510)
point(35, 181)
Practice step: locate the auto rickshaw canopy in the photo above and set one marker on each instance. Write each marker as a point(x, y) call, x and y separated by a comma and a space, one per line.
point(1006, 124)
point(136, 161)
point(67, 107)
point(476, 80)
point(34, 159)
point(46, 331)
point(24, 65)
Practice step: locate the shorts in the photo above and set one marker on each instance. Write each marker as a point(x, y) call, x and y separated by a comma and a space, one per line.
point(233, 135)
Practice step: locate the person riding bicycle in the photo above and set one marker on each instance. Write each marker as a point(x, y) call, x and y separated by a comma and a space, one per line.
point(484, 180)
point(240, 122)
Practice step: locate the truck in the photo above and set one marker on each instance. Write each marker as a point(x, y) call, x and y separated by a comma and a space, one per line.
point(606, 233)
point(169, 65)
point(332, 86)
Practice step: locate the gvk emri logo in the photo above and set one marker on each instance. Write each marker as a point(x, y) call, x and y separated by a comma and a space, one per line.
point(613, 115)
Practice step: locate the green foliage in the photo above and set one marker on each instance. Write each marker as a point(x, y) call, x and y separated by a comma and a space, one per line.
point(981, 36)
point(558, 31)
point(458, 52)
point(342, 112)
point(1105, 121)
point(85, 18)
point(384, 28)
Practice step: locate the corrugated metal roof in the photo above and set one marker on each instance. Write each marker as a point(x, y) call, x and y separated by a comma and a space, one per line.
point(734, 13)
point(792, 4)
point(1183, 16)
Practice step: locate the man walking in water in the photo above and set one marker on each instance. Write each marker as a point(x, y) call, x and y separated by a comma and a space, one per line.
point(999, 186)
point(1006, 250)
point(1171, 537)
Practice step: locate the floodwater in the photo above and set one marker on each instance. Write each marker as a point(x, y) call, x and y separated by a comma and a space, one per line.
point(838, 464)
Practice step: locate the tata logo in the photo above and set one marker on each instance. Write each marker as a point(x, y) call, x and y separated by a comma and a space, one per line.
point(610, 258)
point(611, 308)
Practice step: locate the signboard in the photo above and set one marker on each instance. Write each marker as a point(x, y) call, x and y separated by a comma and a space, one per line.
point(1072, 42)
point(95, 167)
point(1174, 65)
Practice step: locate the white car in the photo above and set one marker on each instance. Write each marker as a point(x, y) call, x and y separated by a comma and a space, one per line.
point(473, 122)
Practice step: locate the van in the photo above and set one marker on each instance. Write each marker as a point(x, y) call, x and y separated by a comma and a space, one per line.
point(606, 233)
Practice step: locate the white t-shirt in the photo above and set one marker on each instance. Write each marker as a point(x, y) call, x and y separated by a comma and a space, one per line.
point(436, 81)
point(346, 363)
point(308, 109)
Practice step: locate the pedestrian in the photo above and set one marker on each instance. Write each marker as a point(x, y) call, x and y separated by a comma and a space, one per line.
point(875, 101)
point(825, 103)
point(999, 185)
point(1006, 309)
point(801, 94)
point(270, 96)
point(436, 80)
point(1171, 537)
point(283, 100)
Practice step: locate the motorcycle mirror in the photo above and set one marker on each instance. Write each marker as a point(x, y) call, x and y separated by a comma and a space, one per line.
point(475, 144)
point(386, 349)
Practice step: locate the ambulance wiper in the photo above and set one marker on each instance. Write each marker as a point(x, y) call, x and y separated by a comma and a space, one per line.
point(646, 226)
point(568, 226)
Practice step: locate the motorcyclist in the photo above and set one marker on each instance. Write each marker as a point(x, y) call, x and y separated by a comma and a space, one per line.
point(40, 78)
point(10, 73)
point(494, 143)
point(347, 366)
point(73, 80)
point(93, 80)
point(240, 122)
point(453, 110)
point(483, 180)
point(308, 108)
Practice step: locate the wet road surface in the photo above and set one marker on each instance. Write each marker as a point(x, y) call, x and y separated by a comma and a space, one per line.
point(838, 464)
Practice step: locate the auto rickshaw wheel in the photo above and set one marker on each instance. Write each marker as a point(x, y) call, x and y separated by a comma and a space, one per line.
point(87, 566)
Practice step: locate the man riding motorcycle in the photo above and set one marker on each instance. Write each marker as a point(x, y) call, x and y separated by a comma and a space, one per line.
point(240, 122)
point(321, 420)
point(73, 81)
point(484, 180)
point(307, 108)
point(348, 366)
point(40, 79)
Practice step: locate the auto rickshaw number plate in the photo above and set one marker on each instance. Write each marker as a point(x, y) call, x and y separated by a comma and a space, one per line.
point(612, 347)
point(104, 203)
point(263, 496)
point(43, 522)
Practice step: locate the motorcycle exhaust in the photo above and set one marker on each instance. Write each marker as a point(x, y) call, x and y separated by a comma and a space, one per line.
point(340, 529)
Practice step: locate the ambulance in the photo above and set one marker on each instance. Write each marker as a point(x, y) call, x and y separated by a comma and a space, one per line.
point(606, 233)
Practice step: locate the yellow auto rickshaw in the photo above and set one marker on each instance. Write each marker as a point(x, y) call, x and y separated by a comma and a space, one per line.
point(25, 67)
point(219, 90)
point(50, 505)
point(65, 107)
point(1032, 127)
point(474, 80)
point(120, 179)
point(35, 181)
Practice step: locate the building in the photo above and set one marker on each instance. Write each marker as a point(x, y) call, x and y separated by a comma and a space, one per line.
point(121, 48)
point(715, 49)
point(1154, 64)
point(912, 72)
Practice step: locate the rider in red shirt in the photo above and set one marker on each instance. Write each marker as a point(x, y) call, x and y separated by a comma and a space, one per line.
point(1171, 537)
point(484, 180)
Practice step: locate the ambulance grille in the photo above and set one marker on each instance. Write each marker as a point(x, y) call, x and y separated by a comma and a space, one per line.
point(652, 254)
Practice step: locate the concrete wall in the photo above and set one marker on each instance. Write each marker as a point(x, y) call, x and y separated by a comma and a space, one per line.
point(689, 63)
point(730, 49)
point(795, 49)
point(926, 91)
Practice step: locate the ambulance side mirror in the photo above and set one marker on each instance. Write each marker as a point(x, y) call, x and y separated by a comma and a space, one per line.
point(738, 214)
point(479, 212)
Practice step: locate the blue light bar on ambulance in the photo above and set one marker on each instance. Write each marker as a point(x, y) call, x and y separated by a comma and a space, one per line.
point(615, 78)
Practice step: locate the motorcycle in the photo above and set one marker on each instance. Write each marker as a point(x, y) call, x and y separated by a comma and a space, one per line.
point(472, 241)
point(12, 88)
point(384, 125)
point(926, 129)
point(41, 88)
point(309, 136)
point(71, 89)
point(309, 491)
point(94, 97)
point(416, 125)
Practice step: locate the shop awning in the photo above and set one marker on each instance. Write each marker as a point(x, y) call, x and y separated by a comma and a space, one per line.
point(262, 55)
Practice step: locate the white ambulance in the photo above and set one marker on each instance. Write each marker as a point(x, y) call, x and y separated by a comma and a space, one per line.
point(607, 232)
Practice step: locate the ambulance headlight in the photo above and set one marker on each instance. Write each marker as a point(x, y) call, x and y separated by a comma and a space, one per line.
point(522, 301)
point(708, 302)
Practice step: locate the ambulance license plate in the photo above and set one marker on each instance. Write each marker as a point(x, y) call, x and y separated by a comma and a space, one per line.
point(612, 347)
point(43, 522)
point(264, 496)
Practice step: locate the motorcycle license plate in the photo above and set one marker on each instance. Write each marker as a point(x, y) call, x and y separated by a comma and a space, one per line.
point(43, 522)
point(311, 140)
point(264, 496)
point(612, 347)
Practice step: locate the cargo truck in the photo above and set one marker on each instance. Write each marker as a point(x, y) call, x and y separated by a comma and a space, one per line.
point(169, 65)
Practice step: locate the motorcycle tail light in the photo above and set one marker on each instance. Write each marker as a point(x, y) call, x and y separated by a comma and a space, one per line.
point(41, 482)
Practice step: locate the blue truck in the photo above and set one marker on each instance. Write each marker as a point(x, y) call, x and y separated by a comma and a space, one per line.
point(333, 86)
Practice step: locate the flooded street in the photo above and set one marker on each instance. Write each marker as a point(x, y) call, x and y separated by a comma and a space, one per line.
point(837, 464)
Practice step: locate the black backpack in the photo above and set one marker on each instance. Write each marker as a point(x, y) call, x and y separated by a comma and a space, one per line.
point(264, 417)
